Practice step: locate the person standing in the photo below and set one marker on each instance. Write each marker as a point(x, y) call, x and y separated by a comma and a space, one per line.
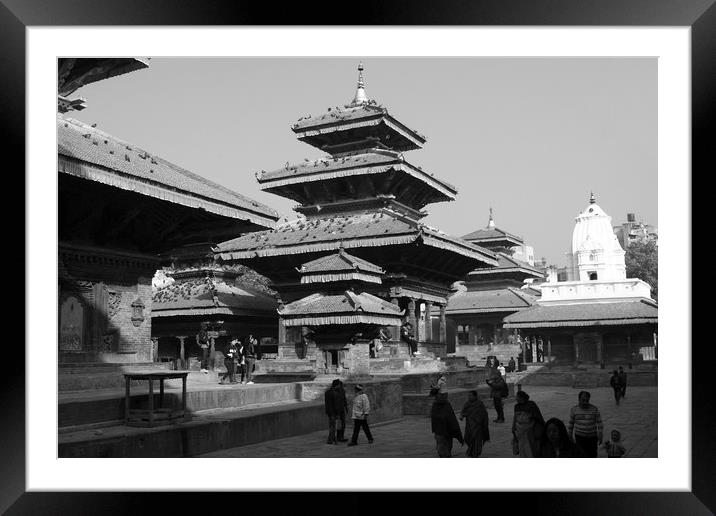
point(257, 346)
point(202, 339)
point(501, 369)
point(527, 426)
point(585, 423)
point(616, 386)
point(361, 410)
point(336, 407)
point(511, 365)
point(444, 425)
point(498, 386)
point(240, 359)
point(622, 381)
point(250, 359)
point(477, 430)
point(230, 363)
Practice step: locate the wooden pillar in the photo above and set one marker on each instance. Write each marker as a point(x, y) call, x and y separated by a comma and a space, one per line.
point(524, 350)
point(212, 352)
point(395, 330)
point(155, 350)
point(600, 349)
point(428, 321)
point(549, 352)
point(576, 351)
point(631, 359)
point(418, 334)
point(443, 326)
point(182, 351)
point(411, 315)
point(656, 348)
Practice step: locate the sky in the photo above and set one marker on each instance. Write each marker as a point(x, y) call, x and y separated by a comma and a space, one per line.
point(529, 137)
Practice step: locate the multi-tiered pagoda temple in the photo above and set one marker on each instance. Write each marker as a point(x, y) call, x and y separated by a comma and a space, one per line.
point(366, 198)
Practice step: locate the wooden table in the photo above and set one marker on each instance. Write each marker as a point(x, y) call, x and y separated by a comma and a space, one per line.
point(154, 415)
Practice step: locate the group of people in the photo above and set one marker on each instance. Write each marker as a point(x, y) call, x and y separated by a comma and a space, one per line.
point(532, 436)
point(240, 357)
point(336, 405)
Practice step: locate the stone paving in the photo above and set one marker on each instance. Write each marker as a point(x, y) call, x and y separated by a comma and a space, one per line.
point(635, 417)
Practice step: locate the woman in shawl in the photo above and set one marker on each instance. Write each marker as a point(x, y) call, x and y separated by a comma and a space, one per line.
point(476, 428)
point(444, 425)
point(527, 426)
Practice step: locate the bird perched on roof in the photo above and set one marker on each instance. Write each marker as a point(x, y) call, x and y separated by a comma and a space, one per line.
point(94, 125)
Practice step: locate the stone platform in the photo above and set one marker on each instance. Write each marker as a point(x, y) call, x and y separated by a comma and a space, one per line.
point(223, 416)
point(643, 375)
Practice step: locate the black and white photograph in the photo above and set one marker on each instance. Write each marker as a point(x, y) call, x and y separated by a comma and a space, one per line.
point(320, 258)
point(340, 257)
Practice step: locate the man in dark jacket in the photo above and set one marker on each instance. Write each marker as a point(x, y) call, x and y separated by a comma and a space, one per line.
point(622, 380)
point(444, 425)
point(336, 408)
point(497, 392)
point(249, 359)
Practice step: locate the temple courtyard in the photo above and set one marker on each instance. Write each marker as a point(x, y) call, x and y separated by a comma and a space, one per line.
point(410, 436)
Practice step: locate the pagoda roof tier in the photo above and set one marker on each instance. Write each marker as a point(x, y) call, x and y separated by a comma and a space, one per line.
point(345, 308)
point(618, 313)
point(367, 174)
point(74, 73)
point(356, 126)
point(508, 299)
point(507, 267)
point(198, 295)
point(90, 154)
point(340, 267)
point(369, 229)
point(493, 237)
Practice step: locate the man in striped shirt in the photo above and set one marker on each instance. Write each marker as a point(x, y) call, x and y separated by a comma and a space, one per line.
point(585, 423)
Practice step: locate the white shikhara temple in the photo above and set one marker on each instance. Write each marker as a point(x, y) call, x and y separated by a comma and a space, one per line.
point(598, 314)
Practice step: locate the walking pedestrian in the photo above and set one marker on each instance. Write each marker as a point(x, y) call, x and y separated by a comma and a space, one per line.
point(361, 409)
point(498, 390)
point(616, 386)
point(615, 449)
point(556, 441)
point(477, 431)
point(250, 359)
point(336, 407)
point(585, 423)
point(444, 425)
point(230, 363)
point(527, 427)
point(622, 380)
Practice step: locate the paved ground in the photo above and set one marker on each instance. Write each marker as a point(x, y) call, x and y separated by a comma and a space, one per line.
point(636, 418)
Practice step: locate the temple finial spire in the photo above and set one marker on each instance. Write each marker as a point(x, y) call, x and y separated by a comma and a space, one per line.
point(491, 223)
point(360, 97)
point(592, 199)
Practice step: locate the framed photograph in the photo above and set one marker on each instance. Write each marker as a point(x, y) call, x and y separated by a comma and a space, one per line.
point(536, 115)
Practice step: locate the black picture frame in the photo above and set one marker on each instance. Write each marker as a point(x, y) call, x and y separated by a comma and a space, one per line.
point(700, 15)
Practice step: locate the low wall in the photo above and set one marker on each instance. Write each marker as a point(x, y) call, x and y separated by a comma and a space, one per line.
point(111, 408)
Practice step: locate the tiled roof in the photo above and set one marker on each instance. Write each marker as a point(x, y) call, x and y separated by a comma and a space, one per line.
point(341, 261)
point(379, 228)
point(344, 114)
point(509, 264)
point(490, 234)
point(487, 301)
point(345, 302)
point(585, 314)
point(198, 294)
point(373, 162)
point(107, 159)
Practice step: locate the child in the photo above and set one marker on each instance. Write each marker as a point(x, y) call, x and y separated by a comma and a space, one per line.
point(615, 449)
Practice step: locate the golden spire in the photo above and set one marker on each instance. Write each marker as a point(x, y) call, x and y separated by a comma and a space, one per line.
point(360, 97)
